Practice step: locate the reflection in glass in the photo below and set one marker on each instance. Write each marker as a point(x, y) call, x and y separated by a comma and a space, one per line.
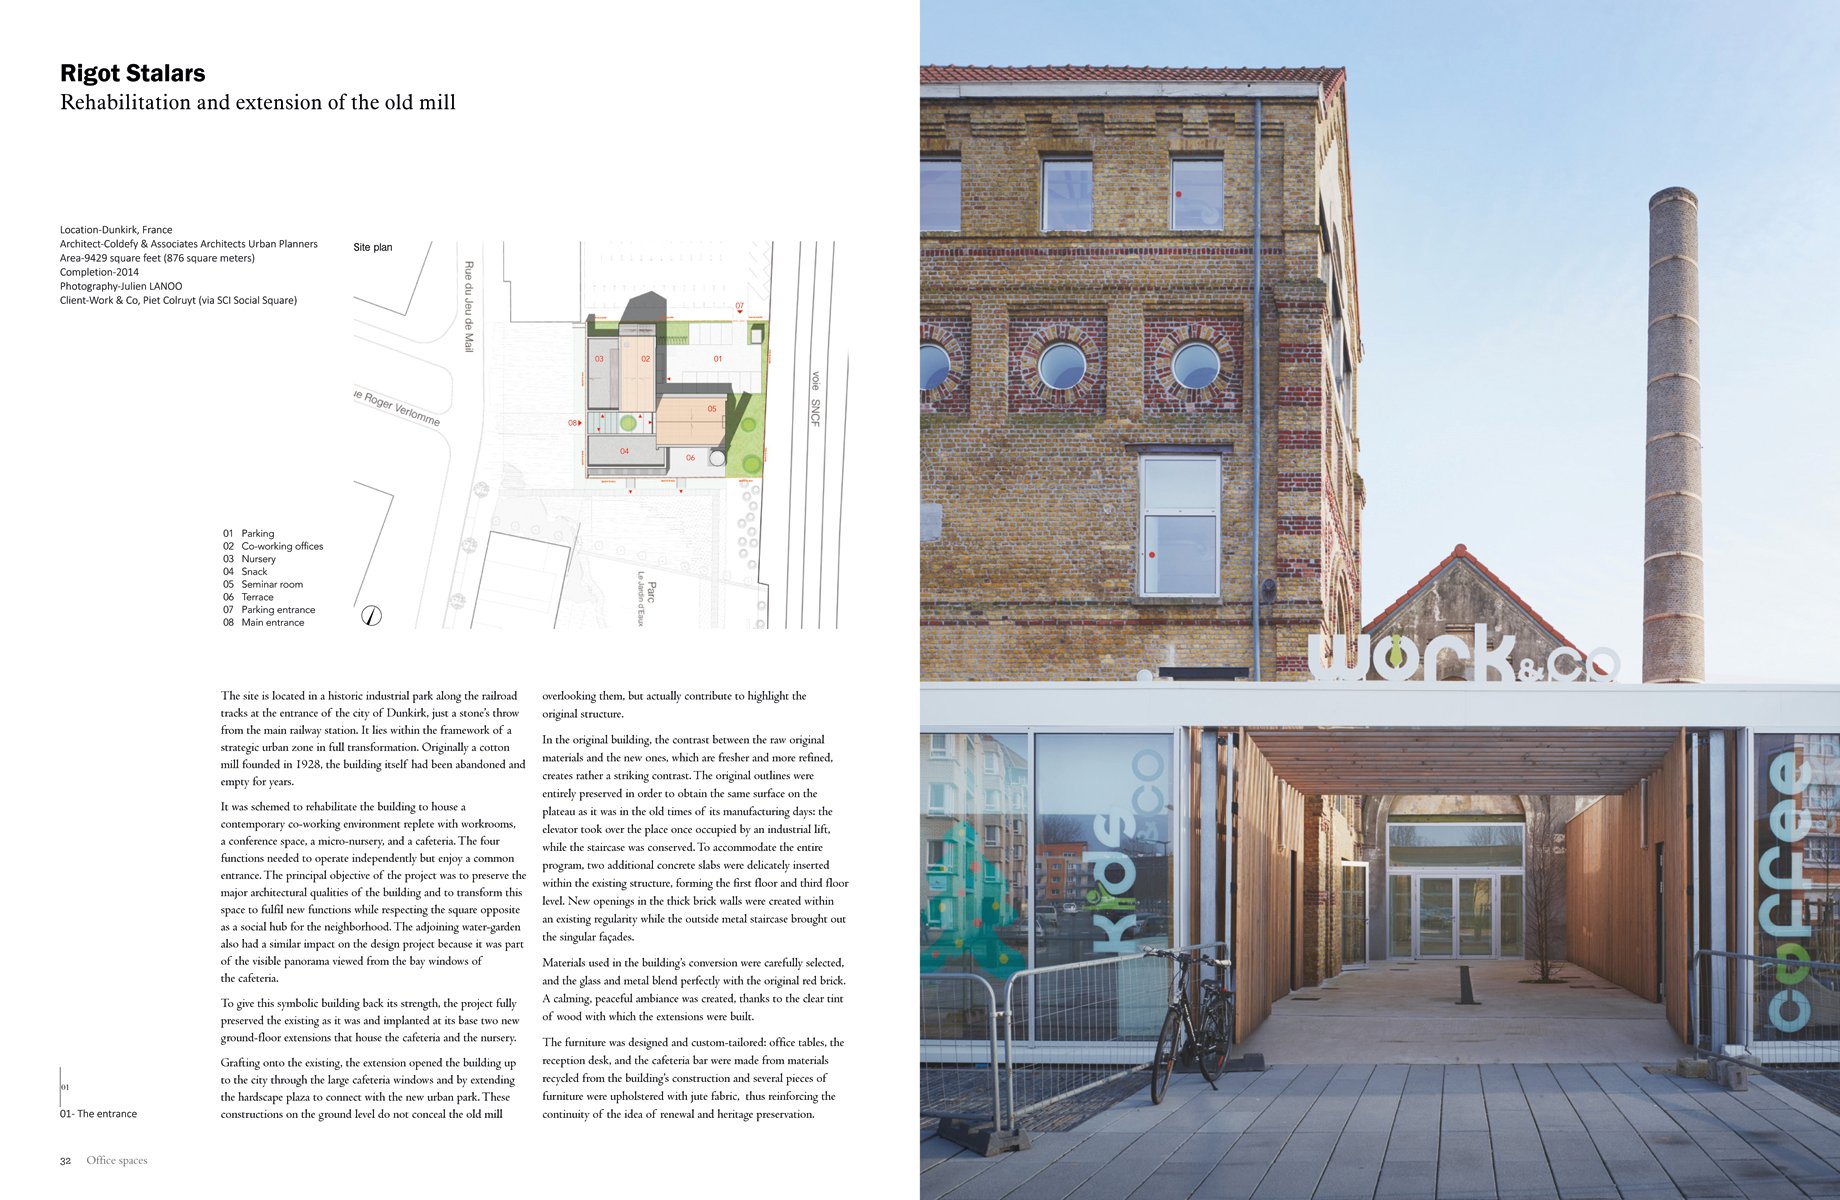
point(1197, 193)
point(1399, 908)
point(935, 365)
point(939, 192)
point(1062, 366)
point(1511, 916)
point(1354, 914)
point(974, 911)
point(1181, 556)
point(1797, 786)
point(1066, 193)
point(1451, 844)
point(1178, 481)
point(1434, 917)
point(1476, 916)
point(1103, 825)
point(1196, 365)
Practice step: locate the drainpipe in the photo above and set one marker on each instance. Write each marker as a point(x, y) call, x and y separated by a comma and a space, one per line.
point(1258, 392)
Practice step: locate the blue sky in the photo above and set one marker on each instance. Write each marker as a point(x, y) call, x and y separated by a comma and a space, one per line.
point(1503, 157)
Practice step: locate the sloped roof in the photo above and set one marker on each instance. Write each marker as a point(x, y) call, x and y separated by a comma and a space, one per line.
point(1462, 552)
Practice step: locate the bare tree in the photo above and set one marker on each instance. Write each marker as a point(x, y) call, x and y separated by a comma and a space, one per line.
point(1545, 879)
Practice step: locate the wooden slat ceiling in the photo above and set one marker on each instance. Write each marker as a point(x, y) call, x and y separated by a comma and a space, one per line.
point(1457, 762)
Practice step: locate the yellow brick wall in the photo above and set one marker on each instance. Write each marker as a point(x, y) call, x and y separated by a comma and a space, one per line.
point(1034, 574)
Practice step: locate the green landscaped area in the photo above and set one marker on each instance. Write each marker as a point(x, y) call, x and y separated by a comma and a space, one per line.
point(747, 421)
point(747, 445)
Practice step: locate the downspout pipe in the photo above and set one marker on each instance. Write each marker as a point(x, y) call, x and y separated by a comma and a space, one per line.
point(1258, 392)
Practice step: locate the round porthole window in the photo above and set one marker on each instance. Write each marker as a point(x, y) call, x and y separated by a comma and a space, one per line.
point(1196, 365)
point(1062, 366)
point(935, 365)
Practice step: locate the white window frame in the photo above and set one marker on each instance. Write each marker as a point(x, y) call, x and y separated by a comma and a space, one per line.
point(1145, 512)
point(1092, 199)
point(1197, 156)
point(938, 799)
point(958, 219)
point(940, 747)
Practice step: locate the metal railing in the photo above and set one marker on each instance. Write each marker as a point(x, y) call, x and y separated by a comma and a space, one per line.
point(959, 1076)
point(1776, 1015)
point(1060, 1032)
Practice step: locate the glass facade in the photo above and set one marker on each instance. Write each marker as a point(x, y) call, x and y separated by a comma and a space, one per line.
point(1354, 914)
point(1455, 887)
point(1098, 813)
point(1512, 944)
point(1399, 917)
point(974, 804)
point(1797, 885)
point(1449, 844)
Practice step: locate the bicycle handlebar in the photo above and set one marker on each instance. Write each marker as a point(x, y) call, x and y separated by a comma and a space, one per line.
point(1193, 956)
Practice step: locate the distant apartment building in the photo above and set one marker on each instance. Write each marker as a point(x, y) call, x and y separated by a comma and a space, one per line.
point(1139, 343)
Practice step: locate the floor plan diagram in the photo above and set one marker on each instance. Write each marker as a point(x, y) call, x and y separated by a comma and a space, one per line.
point(588, 435)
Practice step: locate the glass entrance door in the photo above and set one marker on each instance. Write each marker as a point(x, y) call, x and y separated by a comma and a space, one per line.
point(1476, 916)
point(1454, 916)
point(1434, 916)
point(1354, 914)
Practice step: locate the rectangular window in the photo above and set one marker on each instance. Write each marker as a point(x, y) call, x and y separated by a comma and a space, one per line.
point(939, 745)
point(940, 177)
point(1066, 193)
point(1453, 844)
point(993, 835)
point(990, 762)
point(1179, 540)
point(938, 798)
point(1197, 192)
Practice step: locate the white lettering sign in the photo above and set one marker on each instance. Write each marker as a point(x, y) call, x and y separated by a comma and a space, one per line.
point(1398, 658)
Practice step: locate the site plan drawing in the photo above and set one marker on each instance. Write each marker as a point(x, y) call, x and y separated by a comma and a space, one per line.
point(597, 435)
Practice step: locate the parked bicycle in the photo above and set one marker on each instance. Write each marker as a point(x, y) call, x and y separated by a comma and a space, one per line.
point(1208, 1037)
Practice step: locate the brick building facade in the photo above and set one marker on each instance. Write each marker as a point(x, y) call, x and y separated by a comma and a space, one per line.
point(1091, 348)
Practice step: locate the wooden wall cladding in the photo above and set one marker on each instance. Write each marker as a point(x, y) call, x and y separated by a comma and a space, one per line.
point(1267, 832)
point(1615, 915)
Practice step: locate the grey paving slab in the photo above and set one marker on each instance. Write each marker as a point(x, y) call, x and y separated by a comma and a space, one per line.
point(1014, 1174)
point(1056, 1181)
point(1239, 1174)
point(1577, 1169)
point(1413, 1179)
point(1129, 1169)
point(1299, 1166)
point(1174, 1180)
point(1463, 1110)
point(1466, 1169)
point(1552, 1112)
point(1761, 1087)
point(1423, 1131)
point(1354, 1166)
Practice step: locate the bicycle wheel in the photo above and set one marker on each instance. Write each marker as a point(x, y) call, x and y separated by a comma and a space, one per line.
point(1163, 1066)
point(1214, 1036)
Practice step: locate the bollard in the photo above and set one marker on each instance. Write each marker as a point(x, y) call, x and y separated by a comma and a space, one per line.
point(1469, 996)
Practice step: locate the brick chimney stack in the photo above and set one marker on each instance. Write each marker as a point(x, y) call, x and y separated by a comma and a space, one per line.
point(1673, 563)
